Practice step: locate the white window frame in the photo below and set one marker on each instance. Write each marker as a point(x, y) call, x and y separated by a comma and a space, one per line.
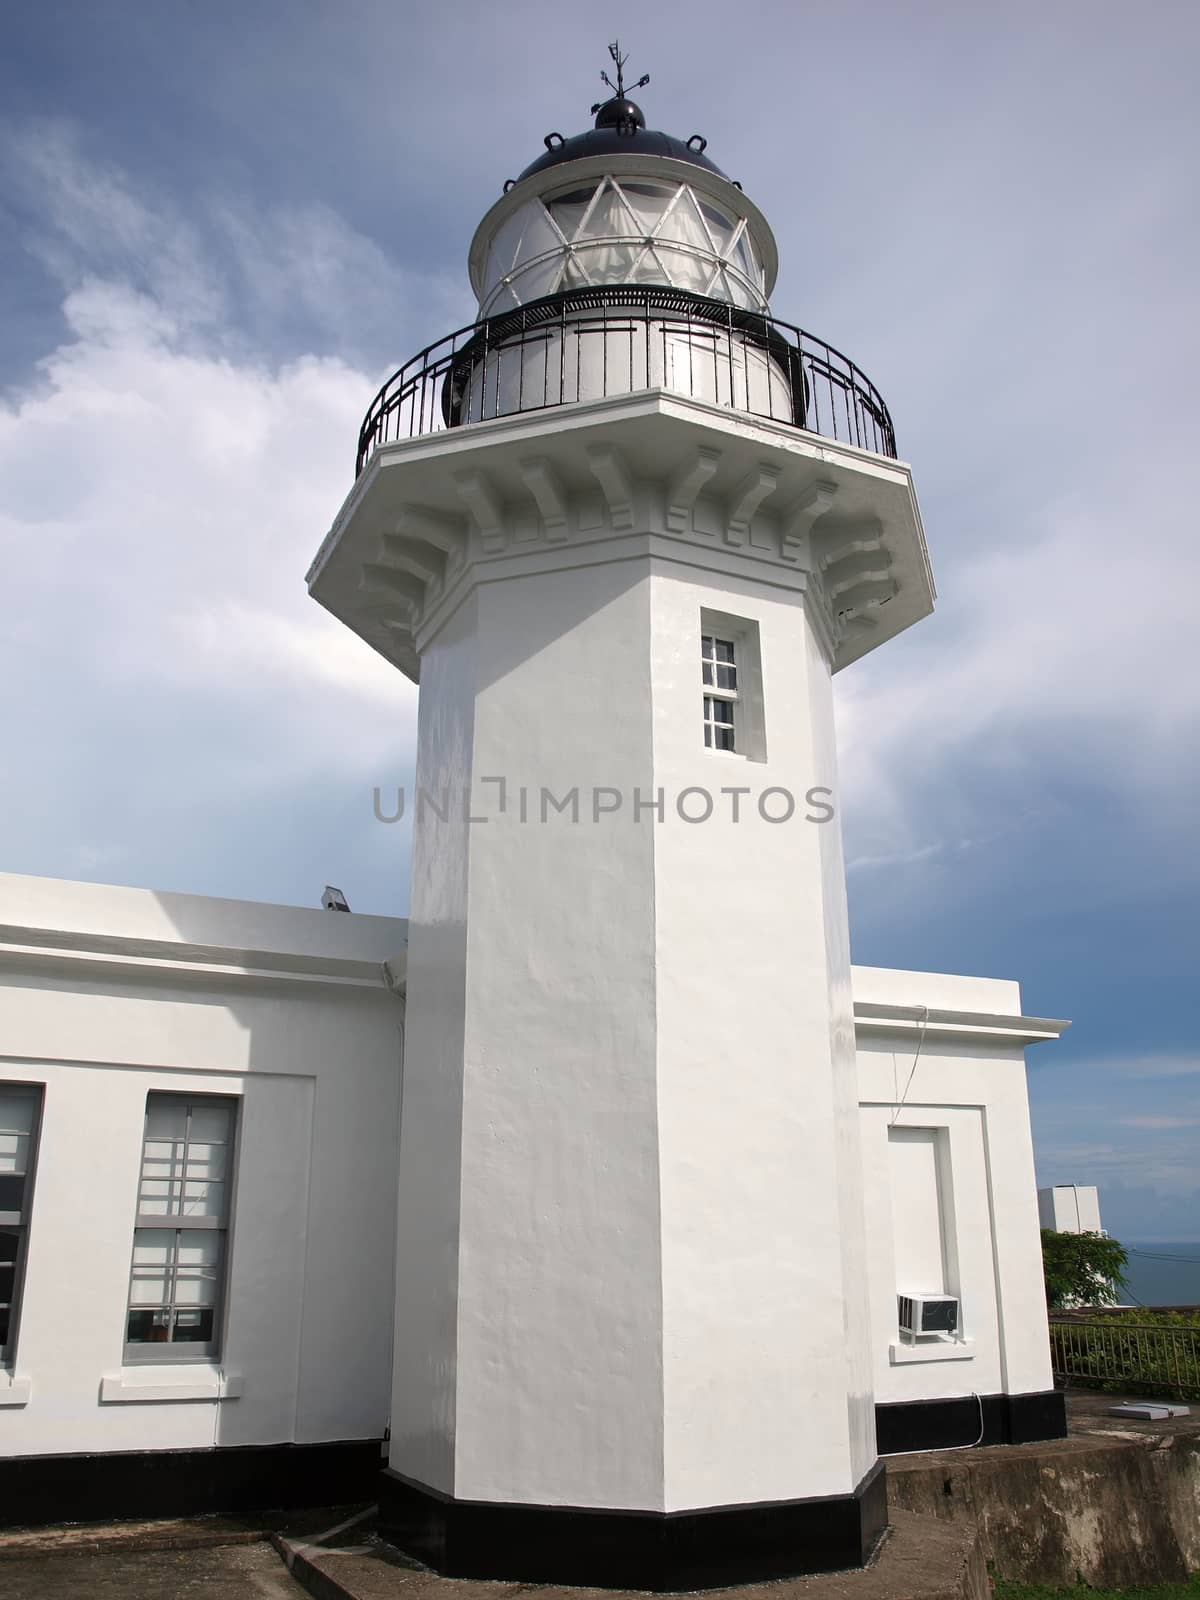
point(744, 697)
point(18, 1221)
point(182, 1223)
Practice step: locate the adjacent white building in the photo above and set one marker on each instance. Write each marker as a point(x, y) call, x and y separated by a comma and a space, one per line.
point(1070, 1208)
point(638, 1221)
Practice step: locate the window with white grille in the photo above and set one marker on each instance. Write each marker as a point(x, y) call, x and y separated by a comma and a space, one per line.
point(718, 671)
point(731, 685)
point(177, 1280)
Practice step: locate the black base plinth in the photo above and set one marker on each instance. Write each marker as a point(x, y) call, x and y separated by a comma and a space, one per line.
point(983, 1419)
point(128, 1484)
point(680, 1550)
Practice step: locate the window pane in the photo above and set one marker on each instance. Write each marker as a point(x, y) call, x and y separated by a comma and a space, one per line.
point(197, 1275)
point(726, 676)
point(720, 226)
point(193, 1327)
point(707, 646)
point(154, 1198)
point(647, 201)
point(708, 735)
point(166, 1117)
point(568, 209)
point(3, 1326)
point(198, 1248)
point(149, 1288)
point(211, 1123)
point(17, 1110)
point(724, 738)
point(205, 1160)
point(203, 1199)
point(724, 649)
point(12, 1192)
point(153, 1256)
point(147, 1327)
point(707, 669)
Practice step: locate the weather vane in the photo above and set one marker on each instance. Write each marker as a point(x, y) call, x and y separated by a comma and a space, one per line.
point(618, 88)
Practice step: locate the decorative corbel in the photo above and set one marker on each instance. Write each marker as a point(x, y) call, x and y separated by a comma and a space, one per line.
point(798, 519)
point(540, 478)
point(686, 485)
point(745, 500)
point(478, 495)
point(610, 472)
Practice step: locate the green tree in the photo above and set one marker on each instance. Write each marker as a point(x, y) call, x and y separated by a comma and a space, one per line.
point(1082, 1268)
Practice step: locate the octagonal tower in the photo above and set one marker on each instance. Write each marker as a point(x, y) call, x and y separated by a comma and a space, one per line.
point(623, 529)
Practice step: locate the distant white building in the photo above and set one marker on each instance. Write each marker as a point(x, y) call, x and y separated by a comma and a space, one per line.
point(643, 1221)
point(1070, 1208)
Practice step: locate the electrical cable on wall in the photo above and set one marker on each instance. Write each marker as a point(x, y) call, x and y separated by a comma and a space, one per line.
point(913, 1068)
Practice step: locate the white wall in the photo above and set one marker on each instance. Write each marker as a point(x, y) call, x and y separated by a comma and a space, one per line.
point(947, 1149)
point(766, 1342)
point(107, 995)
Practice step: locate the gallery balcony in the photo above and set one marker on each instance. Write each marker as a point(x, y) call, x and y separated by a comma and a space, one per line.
point(593, 343)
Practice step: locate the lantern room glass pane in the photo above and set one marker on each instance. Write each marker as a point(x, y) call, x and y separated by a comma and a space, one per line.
point(682, 223)
point(538, 237)
point(719, 225)
point(647, 201)
point(611, 218)
point(568, 210)
point(539, 278)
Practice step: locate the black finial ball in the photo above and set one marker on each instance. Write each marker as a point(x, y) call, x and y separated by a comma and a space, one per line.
point(620, 114)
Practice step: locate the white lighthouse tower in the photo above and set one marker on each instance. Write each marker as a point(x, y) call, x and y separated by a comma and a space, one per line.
point(624, 528)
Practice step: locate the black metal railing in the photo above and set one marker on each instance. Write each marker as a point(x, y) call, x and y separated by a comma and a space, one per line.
point(1127, 1357)
point(589, 344)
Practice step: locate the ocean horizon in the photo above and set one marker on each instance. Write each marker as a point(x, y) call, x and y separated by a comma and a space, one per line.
point(1161, 1274)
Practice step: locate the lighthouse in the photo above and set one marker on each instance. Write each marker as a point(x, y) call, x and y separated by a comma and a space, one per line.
point(623, 529)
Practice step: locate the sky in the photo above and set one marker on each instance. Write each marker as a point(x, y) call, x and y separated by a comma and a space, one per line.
point(222, 226)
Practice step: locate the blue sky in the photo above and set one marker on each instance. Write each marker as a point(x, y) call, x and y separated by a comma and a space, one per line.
point(221, 227)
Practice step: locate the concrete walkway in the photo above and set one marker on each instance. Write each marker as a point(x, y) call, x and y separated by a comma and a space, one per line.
point(215, 1572)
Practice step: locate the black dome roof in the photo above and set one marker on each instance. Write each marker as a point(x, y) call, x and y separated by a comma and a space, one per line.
point(621, 130)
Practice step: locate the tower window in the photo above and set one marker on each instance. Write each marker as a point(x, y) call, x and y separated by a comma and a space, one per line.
point(19, 1107)
point(718, 671)
point(731, 685)
point(177, 1280)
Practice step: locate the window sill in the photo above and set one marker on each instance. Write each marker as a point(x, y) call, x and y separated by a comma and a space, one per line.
point(14, 1391)
point(150, 1386)
point(901, 1354)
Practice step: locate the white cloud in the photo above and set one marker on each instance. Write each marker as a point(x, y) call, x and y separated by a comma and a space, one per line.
point(1066, 654)
point(1183, 1065)
point(164, 489)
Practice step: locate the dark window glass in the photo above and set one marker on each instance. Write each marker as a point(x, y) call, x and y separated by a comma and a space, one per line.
point(12, 1190)
point(147, 1327)
point(193, 1326)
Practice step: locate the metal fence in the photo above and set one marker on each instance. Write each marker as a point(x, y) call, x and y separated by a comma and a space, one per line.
point(592, 343)
point(1127, 1357)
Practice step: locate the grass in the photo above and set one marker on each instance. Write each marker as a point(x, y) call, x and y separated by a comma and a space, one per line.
point(1189, 1589)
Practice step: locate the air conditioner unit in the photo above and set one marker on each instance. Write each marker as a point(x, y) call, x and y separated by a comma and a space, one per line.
point(927, 1313)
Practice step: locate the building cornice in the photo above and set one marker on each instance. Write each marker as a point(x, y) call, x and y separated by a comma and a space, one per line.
point(133, 959)
point(929, 1022)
